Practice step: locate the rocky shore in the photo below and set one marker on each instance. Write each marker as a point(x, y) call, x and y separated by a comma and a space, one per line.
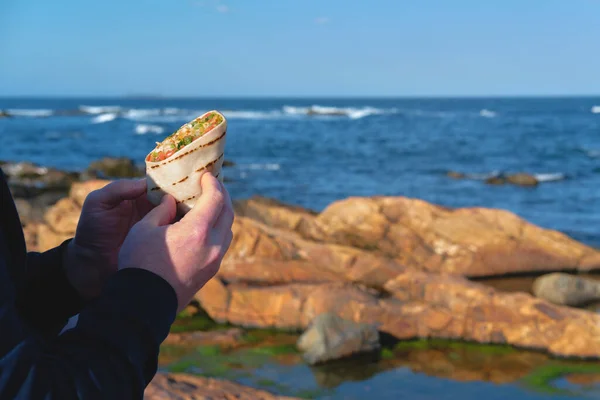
point(400, 265)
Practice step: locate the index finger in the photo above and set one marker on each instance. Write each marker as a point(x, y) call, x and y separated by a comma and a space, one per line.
point(210, 203)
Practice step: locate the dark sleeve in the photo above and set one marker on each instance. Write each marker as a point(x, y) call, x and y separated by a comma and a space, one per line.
point(45, 297)
point(112, 353)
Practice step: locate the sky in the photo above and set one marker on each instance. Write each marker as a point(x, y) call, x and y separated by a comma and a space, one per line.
point(334, 48)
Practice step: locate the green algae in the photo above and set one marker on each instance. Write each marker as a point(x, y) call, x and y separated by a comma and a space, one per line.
point(425, 344)
point(542, 379)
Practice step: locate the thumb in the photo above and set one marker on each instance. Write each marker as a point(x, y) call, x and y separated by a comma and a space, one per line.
point(163, 214)
point(117, 191)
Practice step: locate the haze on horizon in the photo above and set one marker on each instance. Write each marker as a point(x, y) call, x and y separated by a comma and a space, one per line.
point(333, 48)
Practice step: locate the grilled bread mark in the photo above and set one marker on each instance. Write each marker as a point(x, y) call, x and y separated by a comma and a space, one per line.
point(210, 164)
point(188, 199)
point(183, 180)
point(190, 151)
point(206, 167)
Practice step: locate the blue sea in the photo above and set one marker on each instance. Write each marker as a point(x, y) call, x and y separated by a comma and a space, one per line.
point(311, 152)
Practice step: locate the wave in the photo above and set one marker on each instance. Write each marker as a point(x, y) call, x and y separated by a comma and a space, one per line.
point(552, 177)
point(593, 153)
point(102, 118)
point(30, 113)
point(142, 129)
point(99, 109)
point(141, 113)
point(595, 110)
point(546, 177)
point(487, 113)
point(350, 112)
point(261, 167)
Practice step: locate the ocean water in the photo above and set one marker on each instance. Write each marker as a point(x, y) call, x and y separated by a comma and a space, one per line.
point(311, 152)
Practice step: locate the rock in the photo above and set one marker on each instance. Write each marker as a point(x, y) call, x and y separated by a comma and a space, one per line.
point(27, 180)
point(30, 232)
point(261, 254)
point(228, 163)
point(47, 238)
point(495, 180)
point(522, 179)
point(274, 213)
point(80, 190)
point(114, 168)
point(455, 175)
point(330, 337)
point(565, 289)
point(63, 217)
point(417, 305)
point(474, 242)
point(228, 337)
point(4, 114)
point(184, 387)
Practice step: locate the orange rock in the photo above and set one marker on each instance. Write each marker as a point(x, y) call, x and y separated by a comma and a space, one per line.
point(47, 238)
point(421, 305)
point(471, 241)
point(80, 190)
point(183, 387)
point(63, 216)
point(274, 213)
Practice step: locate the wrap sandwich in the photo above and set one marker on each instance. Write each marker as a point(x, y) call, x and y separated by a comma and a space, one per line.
point(176, 164)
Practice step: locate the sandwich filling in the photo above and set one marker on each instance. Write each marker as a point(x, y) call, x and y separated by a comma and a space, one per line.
point(184, 136)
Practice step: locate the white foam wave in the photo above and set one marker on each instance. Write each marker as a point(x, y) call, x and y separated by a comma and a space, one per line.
point(553, 177)
point(595, 110)
point(171, 111)
point(142, 129)
point(102, 118)
point(487, 113)
point(29, 113)
point(593, 153)
point(263, 167)
point(141, 113)
point(350, 112)
point(99, 109)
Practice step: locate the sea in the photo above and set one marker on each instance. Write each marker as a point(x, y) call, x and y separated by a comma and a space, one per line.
point(312, 152)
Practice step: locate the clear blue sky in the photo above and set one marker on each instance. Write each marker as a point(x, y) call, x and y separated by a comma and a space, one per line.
point(300, 47)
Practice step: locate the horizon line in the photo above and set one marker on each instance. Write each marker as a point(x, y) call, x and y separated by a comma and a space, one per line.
point(299, 97)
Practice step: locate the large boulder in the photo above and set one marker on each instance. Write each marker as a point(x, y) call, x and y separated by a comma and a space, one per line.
point(330, 337)
point(188, 387)
point(474, 242)
point(565, 289)
point(274, 213)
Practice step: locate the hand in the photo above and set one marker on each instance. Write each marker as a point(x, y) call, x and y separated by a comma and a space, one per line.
point(106, 218)
point(186, 253)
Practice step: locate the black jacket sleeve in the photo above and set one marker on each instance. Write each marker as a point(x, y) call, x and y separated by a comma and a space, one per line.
point(45, 298)
point(111, 353)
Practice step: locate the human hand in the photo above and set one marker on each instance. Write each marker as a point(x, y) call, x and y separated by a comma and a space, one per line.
point(106, 218)
point(186, 253)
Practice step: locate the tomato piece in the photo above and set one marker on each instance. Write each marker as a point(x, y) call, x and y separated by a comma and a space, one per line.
point(169, 153)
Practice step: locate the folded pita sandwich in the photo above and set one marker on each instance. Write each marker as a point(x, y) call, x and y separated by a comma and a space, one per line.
point(176, 164)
